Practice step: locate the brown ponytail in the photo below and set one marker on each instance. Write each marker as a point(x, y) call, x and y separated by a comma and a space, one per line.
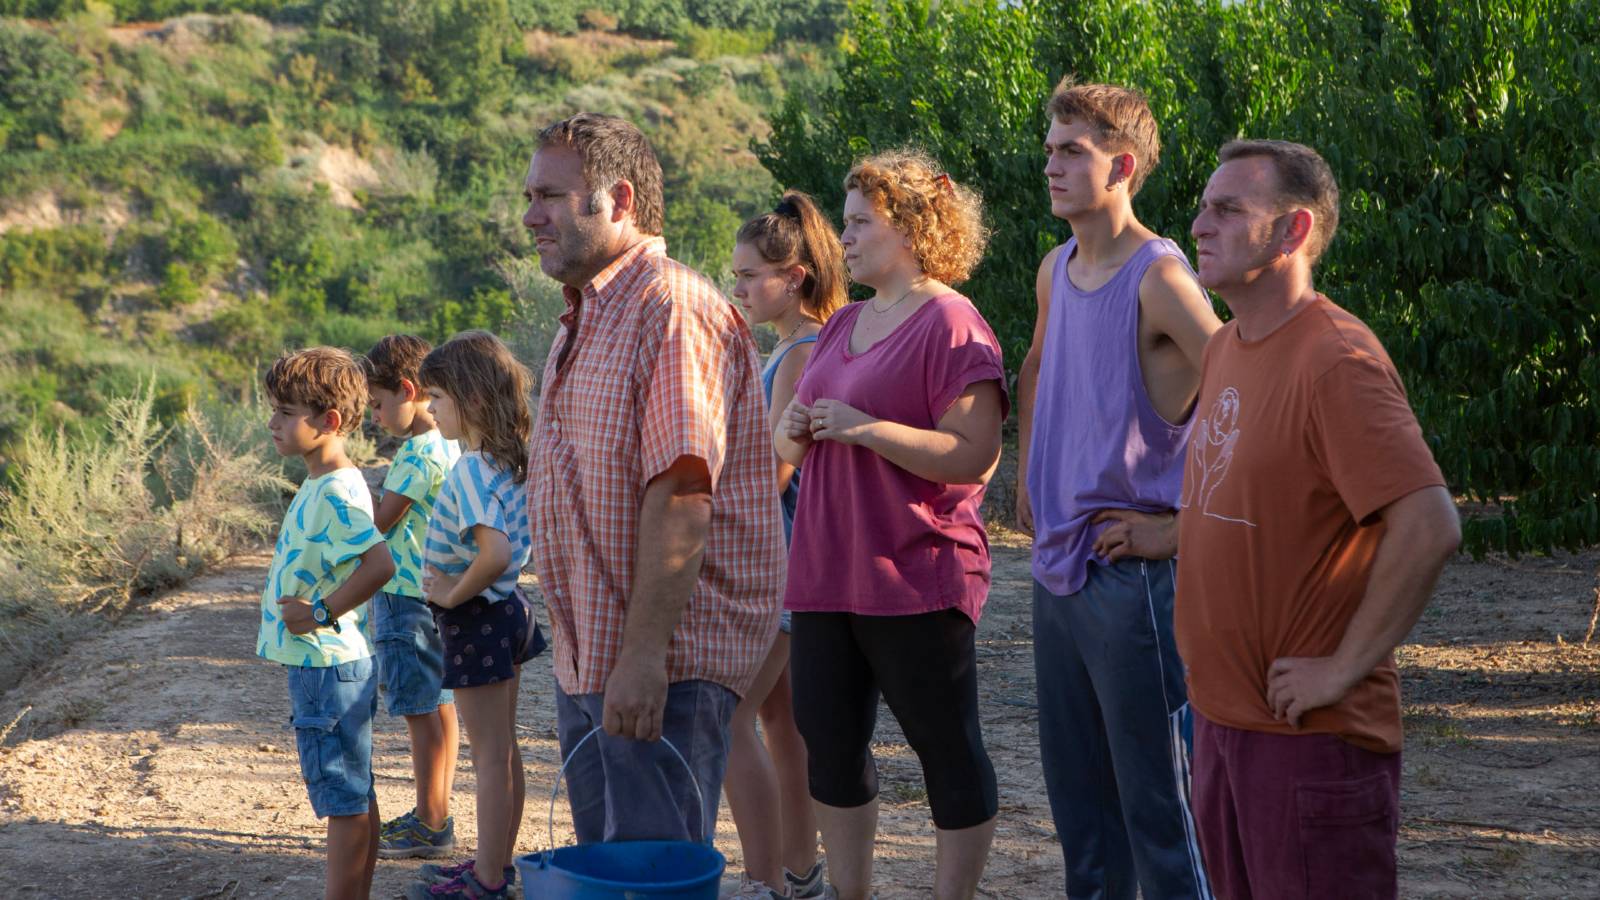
point(797, 233)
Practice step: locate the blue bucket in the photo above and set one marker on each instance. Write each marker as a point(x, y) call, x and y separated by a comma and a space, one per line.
point(623, 870)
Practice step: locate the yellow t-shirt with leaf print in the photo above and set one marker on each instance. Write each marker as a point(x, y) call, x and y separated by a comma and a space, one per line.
point(327, 528)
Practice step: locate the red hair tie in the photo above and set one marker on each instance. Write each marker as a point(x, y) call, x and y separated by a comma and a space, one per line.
point(943, 180)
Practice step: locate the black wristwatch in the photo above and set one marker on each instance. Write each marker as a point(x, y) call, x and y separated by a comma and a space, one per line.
point(320, 615)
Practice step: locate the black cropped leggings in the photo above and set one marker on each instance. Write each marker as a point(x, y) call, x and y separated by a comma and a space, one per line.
point(925, 666)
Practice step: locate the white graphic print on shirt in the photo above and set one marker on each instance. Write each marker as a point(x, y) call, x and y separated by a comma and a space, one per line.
point(1211, 454)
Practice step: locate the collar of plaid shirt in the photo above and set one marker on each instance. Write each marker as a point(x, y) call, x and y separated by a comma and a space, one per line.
point(596, 289)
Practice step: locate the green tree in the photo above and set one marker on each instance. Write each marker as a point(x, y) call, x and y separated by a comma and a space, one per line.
point(457, 47)
point(1461, 134)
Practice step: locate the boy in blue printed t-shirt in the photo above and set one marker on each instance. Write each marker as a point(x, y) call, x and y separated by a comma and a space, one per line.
point(329, 560)
point(410, 655)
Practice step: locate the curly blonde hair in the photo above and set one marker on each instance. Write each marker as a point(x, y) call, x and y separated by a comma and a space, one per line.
point(943, 219)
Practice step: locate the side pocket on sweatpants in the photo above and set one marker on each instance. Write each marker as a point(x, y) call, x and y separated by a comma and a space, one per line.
point(1347, 837)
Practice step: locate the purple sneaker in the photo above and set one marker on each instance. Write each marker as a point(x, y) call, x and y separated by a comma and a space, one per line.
point(464, 886)
point(433, 873)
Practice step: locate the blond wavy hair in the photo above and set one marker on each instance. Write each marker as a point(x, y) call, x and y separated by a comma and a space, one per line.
point(942, 219)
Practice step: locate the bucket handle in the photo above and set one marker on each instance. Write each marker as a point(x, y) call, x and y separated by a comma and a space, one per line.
point(555, 789)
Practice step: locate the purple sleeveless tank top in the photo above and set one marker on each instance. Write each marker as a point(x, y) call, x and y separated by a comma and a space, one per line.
point(1097, 441)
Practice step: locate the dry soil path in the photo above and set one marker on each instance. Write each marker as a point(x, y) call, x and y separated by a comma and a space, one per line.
point(157, 761)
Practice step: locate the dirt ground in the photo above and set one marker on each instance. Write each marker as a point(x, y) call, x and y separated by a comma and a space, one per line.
point(156, 760)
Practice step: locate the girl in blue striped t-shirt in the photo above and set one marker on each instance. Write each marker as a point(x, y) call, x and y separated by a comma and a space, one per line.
point(477, 543)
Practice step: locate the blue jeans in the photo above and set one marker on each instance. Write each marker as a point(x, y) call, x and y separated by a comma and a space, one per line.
point(1115, 734)
point(410, 655)
point(627, 790)
point(332, 717)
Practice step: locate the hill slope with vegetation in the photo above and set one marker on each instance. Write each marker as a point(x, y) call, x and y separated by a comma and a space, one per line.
point(210, 189)
point(183, 198)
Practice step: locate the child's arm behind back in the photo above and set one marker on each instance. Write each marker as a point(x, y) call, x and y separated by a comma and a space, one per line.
point(494, 556)
point(371, 574)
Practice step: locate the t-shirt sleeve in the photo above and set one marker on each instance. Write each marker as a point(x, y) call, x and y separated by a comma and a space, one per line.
point(409, 477)
point(962, 353)
point(478, 500)
point(689, 386)
point(340, 531)
point(1367, 438)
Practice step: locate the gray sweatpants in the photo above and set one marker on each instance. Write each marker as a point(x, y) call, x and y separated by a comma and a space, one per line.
point(1115, 733)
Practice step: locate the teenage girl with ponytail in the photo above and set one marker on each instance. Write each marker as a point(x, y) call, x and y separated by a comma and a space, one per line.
point(789, 272)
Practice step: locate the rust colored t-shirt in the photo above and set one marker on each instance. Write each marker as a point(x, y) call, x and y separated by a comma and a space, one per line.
point(1306, 435)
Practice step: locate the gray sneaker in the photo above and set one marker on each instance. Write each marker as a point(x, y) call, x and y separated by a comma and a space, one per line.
point(406, 837)
point(810, 886)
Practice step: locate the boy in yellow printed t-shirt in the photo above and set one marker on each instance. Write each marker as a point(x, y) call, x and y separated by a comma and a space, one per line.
point(410, 653)
point(329, 560)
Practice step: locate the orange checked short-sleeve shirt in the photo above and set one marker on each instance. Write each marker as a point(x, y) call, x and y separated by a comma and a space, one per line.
point(652, 364)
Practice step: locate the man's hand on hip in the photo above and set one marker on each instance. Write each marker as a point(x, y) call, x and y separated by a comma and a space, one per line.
point(636, 699)
point(1298, 684)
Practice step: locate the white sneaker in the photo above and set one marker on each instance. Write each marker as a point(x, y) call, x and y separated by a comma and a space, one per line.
point(750, 889)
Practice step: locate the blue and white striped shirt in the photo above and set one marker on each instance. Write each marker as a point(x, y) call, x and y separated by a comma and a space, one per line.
point(479, 492)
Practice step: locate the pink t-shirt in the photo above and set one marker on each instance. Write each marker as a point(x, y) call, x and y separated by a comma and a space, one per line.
point(869, 537)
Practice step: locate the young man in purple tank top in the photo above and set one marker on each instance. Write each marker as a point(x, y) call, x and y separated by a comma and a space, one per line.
point(1106, 396)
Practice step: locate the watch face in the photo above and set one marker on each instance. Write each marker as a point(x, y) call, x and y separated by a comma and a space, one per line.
point(320, 613)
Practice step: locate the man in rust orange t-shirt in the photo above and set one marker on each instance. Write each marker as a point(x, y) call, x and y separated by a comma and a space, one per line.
point(1313, 526)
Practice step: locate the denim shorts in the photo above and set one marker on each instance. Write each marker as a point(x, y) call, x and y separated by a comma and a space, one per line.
point(485, 642)
point(332, 717)
point(410, 655)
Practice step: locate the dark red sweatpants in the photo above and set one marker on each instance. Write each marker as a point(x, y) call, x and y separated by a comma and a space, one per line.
point(1287, 816)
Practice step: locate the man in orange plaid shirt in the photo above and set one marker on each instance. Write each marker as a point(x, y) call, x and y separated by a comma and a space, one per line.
point(656, 532)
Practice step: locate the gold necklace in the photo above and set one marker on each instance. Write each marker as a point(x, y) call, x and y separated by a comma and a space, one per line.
point(908, 293)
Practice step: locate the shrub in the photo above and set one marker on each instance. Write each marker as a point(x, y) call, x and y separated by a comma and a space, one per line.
point(455, 47)
point(598, 20)
point(177, 288)
point(37, 76)
point(50, 257)
point(252, 329)
point(88, 524)
point(202, 243)
point(700, 42)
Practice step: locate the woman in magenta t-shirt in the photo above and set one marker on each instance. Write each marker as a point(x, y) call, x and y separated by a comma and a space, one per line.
point(896, 422)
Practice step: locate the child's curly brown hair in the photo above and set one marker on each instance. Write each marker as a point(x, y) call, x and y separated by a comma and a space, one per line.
point(320, 379)
point(396, 357)
point(942, 219)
